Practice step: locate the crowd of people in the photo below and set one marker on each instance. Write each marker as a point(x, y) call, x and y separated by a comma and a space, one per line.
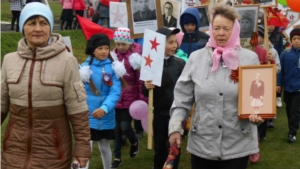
point(45, 91)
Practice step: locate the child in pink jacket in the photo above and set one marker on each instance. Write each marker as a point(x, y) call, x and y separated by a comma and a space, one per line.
point(66, 14)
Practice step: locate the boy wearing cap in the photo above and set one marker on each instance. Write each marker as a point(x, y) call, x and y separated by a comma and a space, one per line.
point(190, 24)
point(289, 78)
point(163, 97)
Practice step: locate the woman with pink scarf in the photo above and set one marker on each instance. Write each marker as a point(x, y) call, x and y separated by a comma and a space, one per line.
point(217, 138)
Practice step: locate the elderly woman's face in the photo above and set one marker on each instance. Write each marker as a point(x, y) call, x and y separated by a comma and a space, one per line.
point(221, 30)
point(37, 32)
point(245, 25)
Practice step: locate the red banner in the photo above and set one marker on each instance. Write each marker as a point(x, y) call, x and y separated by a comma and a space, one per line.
point(276, 18)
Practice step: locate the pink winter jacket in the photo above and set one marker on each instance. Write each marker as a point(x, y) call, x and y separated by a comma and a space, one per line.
point(78, 5)
point(67, 4)
point(133, 91)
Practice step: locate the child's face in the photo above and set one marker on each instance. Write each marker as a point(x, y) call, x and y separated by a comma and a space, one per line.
point(271, 28)
point(101, 52)
point(190, 27)
point(122, 47)
point(171, 45)
point(260, 40)
point(296, 41)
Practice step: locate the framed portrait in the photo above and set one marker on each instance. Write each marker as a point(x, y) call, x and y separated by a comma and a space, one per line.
point(225, 2)
point(143, 14)
point(266, 3)
point(257, 91)
point(248, 23)
point(189, 3)
point(171, 11)
point(204, 17)
point(292, 16)
point(288, 30)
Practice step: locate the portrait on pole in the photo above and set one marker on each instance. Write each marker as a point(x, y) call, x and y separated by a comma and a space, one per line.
point(143, 14)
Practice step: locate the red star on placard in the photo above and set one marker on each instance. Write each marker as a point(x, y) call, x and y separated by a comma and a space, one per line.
point(154, 44)
point(118, 16)
point(292, 17)
point(148, 60)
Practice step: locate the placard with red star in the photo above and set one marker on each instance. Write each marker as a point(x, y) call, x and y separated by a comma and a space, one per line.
point(118, 14)
point(292, 16)
point(153, 57)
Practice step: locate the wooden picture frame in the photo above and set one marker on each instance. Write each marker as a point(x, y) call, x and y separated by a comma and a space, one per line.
point(174, 21)
point(257, 91)
point(288, 30)
point(248, 23)
point(266, 3)
point(292, 16)
point(141, 20)
point(205, 18)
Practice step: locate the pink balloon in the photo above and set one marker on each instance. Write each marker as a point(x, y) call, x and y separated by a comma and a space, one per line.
point(145, 124)
point(138, 109)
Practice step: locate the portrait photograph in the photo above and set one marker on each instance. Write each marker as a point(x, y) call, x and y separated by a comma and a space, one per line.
point(143, 14)
point(266, 3)
point(170, 13)
point(288, 30)
point(204, 17)
point(189, 3)
point(257, 91)
point(225, 2)
point(248, 23)
point(292, 16)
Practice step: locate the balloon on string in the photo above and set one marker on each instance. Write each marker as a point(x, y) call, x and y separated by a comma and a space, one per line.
point(144, 122)
point(282, 2)
point(294, 5)
point(138, 109)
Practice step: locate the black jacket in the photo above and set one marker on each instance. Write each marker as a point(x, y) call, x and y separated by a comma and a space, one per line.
point(163, 96)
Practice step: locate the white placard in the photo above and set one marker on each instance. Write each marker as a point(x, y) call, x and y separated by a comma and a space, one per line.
point(292, 16)
point(118, 14)
point(67, 41)
point(153, 57)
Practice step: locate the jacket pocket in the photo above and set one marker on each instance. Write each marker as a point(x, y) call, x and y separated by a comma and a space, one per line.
point(57, 144)
point(7, 135)
point(79, 89)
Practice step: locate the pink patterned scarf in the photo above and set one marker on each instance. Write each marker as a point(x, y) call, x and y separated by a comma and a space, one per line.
point(228, 53)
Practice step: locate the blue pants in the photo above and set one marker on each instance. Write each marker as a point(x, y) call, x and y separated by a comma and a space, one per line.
point(100, 21)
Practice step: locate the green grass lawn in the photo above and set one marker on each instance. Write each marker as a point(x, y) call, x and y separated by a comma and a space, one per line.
point(6, 14)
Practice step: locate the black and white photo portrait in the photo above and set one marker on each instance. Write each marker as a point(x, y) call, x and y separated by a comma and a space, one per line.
point(142, 9)
point(171, 11)
point(168, 18)
point(142, 15)
point(247, 23)
point(265, 3)
point(225, 2)
point(204, 18)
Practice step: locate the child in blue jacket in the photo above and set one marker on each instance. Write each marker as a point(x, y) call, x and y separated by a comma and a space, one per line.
point(289, 78)
point(103, 90)
point(193, 38)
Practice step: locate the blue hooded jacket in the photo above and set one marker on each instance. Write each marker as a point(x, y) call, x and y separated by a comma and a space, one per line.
point(109, 95)
point(192, 41)
point(289, 76)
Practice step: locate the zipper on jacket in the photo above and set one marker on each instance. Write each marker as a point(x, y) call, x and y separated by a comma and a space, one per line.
point(189, 46)
point(30, 124)
point(103, 72)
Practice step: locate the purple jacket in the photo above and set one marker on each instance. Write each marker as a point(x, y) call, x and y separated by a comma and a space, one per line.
point(133, 91)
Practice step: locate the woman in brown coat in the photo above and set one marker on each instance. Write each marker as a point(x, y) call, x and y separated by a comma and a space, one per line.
point(42, 90)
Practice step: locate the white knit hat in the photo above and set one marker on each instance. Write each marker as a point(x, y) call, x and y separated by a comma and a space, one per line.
point(122, 35)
